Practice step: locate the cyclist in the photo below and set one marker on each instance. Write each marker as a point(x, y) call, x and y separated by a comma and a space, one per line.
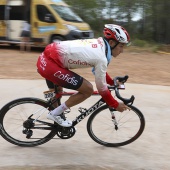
point(58, 58)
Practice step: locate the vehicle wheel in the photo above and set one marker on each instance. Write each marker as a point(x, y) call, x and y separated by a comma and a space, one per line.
point(57, 39)
point(101, 128)
point(18, 128)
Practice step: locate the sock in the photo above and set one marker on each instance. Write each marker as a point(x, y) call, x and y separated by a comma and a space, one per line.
point(60, 109)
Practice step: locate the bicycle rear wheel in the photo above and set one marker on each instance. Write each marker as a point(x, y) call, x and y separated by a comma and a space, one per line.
point(102, 129)
point(16, 112)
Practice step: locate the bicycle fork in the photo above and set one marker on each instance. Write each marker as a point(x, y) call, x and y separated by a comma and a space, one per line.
point(114, 118)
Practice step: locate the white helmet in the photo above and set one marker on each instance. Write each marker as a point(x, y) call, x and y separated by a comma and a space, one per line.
point(116, 32)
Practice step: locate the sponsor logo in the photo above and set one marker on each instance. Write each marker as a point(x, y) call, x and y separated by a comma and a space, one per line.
point(100, 42)
point(89, 111)
point(94, 45)
point(84, 41)
point(43, 29)
point(66, 77)
point(43, 62)
point(78, 62)
point(56, 1)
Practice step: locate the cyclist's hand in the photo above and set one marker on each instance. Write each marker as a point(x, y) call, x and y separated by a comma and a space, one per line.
point(118, 82)
point(120, 85)
point(122, 107)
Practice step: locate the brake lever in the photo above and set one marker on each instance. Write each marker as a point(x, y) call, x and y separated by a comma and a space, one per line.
point(122, 80)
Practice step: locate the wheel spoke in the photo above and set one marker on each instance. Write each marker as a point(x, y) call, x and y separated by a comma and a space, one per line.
point(14, 114)
point(101, 128)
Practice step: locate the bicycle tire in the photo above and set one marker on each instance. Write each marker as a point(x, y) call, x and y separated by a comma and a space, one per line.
point(102, 130)
point(12, 116)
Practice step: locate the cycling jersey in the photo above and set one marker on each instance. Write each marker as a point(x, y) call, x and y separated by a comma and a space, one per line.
point(81, 54)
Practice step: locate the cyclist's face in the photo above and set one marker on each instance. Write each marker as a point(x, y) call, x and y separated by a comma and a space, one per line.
point(118, 49)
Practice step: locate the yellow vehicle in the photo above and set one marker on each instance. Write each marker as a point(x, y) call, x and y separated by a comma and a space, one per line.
point(50, 20)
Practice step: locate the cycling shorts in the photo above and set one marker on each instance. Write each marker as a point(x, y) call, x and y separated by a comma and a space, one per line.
point(49, 84)
point(63, 77)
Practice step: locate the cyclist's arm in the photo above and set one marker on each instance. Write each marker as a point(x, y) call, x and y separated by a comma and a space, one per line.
point(108, 98)
point(109, 80)
point(101, 84)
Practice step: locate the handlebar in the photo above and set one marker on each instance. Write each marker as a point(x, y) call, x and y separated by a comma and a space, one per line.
point(115, 87)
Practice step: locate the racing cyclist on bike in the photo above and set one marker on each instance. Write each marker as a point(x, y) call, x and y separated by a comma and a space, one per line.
point(58, 58)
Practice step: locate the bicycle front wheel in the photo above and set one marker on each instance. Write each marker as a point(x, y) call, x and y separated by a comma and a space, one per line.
point(15, 113)
point(103, 130)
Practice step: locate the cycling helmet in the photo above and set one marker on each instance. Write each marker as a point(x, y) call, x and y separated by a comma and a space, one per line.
point(116, 32)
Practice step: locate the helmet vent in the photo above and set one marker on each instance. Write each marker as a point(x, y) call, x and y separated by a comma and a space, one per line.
point(117, 31)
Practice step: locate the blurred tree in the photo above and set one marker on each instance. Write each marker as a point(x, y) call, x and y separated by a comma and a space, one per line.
point(153, 25)
point(155, 22)
point(161, 21)
point(86, 9)
point(126, 11)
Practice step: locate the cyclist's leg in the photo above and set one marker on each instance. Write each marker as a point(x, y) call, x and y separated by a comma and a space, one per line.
point(22, 44)
point(27, 44)
point(84, 88)
point(67, 79)
point(84, 91)
point(50, 84)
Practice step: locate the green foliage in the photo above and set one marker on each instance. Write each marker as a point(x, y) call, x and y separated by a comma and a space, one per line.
point(163, 47)
point(139, 43)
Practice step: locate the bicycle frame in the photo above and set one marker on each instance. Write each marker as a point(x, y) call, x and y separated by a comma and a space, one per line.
point(84, 112)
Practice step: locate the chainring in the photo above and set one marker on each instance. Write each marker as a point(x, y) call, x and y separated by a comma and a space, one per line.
point(65, 132)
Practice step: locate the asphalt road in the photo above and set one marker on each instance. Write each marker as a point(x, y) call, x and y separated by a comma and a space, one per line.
point(150, 152)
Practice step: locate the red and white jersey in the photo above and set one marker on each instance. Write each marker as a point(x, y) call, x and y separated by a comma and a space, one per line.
point(82, 54)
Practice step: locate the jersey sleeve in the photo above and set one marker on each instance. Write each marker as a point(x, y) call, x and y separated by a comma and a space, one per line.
point(101, 84)
point(108, 98)
point(109, 79)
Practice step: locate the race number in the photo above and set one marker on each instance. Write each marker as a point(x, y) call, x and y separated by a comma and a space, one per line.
point(49, 94)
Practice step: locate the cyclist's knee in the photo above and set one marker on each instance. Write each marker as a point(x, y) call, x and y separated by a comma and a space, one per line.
point(86, 88)
point(89, 90)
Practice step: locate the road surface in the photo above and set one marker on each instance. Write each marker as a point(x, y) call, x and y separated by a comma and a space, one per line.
point(150, 152)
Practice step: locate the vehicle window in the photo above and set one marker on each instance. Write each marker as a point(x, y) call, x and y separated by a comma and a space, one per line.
point(17, 13)
point(42, 11)
point(66, 13)
point(2, 12)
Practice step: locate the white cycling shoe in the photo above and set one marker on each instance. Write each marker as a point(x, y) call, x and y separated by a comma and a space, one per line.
point(59, 120)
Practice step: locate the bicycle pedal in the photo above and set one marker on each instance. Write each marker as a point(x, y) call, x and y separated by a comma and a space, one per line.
point(67, 111)
point(82, 110)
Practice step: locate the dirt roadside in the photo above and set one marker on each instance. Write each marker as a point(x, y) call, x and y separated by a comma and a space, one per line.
point(142, 67)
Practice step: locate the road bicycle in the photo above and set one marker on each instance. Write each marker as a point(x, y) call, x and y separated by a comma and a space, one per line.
point(23, 121)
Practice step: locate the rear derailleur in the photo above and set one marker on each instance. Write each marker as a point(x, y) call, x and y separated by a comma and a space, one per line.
point(28, 124)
